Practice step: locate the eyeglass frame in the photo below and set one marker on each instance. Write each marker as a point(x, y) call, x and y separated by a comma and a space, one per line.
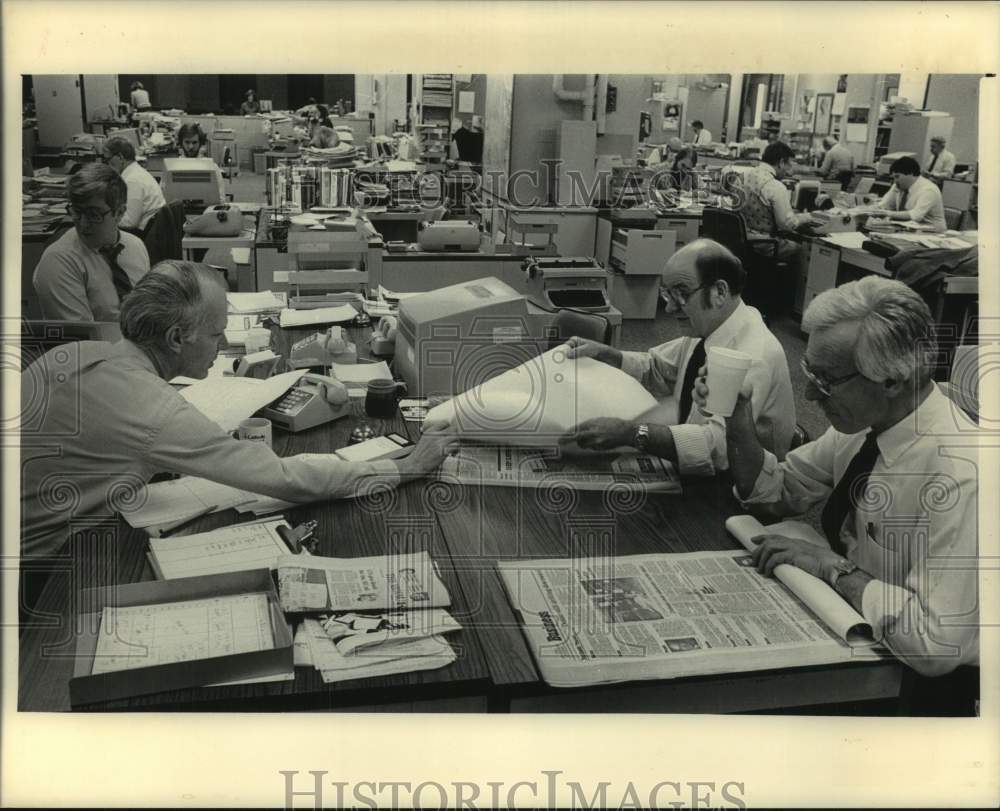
point(686, 295)
point(82, 214)
point(824, 387)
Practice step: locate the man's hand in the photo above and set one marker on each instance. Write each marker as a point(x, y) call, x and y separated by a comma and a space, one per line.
point(773, 550)
point(601, 434)
point(699, 395)
point(436, 442)
point(585, 348)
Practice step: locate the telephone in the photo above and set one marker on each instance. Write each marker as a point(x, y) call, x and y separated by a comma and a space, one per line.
point(224, 220)
point(314, 400)
point(259, 365)
point(322, 349)
point(384, 337)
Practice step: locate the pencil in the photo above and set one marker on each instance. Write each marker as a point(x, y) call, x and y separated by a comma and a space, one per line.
point(189, 521)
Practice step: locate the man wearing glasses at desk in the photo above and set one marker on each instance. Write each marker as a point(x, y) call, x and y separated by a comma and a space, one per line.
point(897, 472)
point(84, 275)
point(704, 280)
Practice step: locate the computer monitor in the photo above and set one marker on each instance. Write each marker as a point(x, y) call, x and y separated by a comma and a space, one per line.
point(454, 338)
point(196, 181)
point(804, 196)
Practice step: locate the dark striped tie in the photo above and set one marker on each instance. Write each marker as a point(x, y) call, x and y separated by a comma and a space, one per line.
point(848, 491)
point(123, 284)
point(690, 373)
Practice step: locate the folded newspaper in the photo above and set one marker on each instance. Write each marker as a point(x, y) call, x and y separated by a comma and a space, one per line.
point(525, 467)
point(664, 616)
point(356, 584)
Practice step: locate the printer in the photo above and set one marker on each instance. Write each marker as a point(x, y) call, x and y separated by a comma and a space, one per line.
point(567, 281)
point(449, 235)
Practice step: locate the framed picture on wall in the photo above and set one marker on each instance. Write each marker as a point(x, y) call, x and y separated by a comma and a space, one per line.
point(824, 113)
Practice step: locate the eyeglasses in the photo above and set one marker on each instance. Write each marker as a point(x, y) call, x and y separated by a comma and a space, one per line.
point(681, 297)
point(92, 215)
point(825, 387)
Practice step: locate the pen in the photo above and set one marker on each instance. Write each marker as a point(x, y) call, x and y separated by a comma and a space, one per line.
point(189, 521)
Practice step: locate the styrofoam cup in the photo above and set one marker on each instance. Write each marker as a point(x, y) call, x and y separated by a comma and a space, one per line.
point(727, 368)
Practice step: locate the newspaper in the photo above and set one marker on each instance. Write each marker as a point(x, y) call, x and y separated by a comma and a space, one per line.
point(524, 467)
point(360, 584)
point(663, 616)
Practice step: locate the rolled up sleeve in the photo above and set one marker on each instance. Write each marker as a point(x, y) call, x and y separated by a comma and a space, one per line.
point(657, 369)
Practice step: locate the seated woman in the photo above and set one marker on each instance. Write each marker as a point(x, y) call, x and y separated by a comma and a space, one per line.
point(193, 141)
point(321, 132)
point(251, 105)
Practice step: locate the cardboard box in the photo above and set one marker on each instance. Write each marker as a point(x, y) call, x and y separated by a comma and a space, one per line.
point(85, 688)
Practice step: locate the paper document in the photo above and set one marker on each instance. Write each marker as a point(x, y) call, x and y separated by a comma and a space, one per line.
point(543, 399)
point(236, 548)
point(353, 584)
point(524, 467)
point(318, 315)
point(358, 375)
point(663, 616)
point(229, 400)
point(223, 365)
point(263, 301)
point(147, 635)
point(176, 500)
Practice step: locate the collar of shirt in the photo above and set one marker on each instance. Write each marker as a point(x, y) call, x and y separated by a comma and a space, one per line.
point(896, 440)
point(768, 169)
point(85, 248)
point(130, 169)
point(128, 355)
point(730, 328)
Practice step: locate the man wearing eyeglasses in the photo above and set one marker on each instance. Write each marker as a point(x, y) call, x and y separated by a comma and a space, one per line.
point(897, 472)
point(85, 274)
point(704, 280)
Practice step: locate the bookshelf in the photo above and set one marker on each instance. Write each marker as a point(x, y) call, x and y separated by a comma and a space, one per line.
point(437, 94)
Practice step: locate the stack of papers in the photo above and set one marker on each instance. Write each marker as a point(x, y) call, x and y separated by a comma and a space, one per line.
point(357, 376)
point(236, 548)
point(230, 400)
point(318, 315)
point(266, 301)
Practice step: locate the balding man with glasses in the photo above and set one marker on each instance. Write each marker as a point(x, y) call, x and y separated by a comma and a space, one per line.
point(85, 274)
point(703, 280)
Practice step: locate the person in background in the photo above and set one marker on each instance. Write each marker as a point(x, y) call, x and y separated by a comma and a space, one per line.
point(308, 108)
point(117, 415)
point(838, 162)
point(86, 273)
point(139, 96)
point(468, 142)
point(144, 195)
point(702, 137)
point(322, 135)
point(193, 143)
point(941, 164)
point(251, 105)
point(912, 197)
point(704, 280)
point(903, 559)
point(682, 174)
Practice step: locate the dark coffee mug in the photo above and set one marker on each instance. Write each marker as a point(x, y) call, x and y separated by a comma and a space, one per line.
point(381, 399)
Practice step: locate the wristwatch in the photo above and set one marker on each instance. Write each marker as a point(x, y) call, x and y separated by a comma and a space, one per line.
point(842, 567)
point(641, 438)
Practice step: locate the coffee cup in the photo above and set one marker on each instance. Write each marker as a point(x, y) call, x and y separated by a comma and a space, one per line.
point(381, 399)
point(255, 429)
point(727, 368)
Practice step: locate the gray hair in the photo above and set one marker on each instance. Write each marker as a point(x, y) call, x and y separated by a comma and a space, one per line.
point(171, 293)
point(894, 327)
point(97, 179)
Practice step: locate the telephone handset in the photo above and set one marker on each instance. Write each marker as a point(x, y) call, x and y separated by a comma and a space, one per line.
point(384, 337)
point(314, 400)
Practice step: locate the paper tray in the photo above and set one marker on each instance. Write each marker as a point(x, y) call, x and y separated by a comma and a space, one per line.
point(85, 688)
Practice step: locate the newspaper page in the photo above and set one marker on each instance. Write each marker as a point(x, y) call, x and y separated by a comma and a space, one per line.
point(527, 467)
point(603, 620)
point(360, 584)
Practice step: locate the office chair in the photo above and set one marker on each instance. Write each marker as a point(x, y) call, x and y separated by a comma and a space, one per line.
point(165, 232)
point(582, 323)
point(38, 336)
point(768, 287)
point(953, 218)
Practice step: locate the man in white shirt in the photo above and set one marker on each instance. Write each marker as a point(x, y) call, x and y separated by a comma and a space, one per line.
point(838, 162)
point(704, 280)
point(144, 196)
point(702, 136)
point(912, 197)
point(897, 470)
point(941, 164)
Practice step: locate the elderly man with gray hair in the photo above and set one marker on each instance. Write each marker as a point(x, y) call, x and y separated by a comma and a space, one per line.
point(941, 163)
point(838, 162)
point(98, 417)
point(897, 471)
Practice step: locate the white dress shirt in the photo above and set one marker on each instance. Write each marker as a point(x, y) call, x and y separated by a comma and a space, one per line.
point(703, 138)
point(944, 166)
point(144, 197)
point(99, 423)
point(916, 534)
point(701, 440)
point(922, 200)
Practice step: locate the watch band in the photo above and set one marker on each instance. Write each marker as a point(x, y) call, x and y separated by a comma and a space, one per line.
point(842, 567)
point(641, 438)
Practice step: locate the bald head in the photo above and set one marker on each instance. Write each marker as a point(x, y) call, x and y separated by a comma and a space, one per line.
point(704, 262)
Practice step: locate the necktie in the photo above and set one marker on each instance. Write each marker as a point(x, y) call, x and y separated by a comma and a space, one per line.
point(690, 373)
point(852, 483)
point(933, 162)
point(123, 284)
point(902, 200)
